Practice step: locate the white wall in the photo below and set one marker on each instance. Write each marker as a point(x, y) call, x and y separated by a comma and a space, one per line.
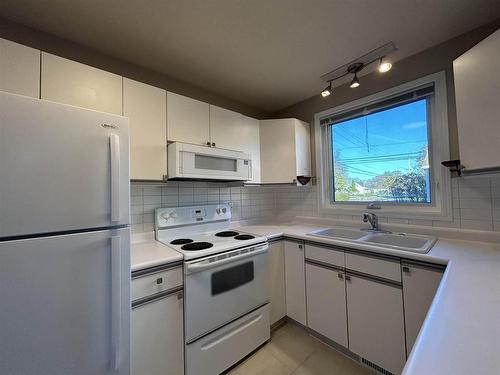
point(476, 202)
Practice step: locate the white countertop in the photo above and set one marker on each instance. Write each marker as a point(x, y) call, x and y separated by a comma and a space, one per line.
point(461, 333)
point(147, 252)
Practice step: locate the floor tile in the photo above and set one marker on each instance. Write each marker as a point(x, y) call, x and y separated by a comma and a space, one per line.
point(262, 363)
point(292, 346)
point(293, 351)
point(327, 361)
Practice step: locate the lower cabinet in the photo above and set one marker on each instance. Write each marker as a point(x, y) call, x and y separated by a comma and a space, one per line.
point(295, 281)
point(326, 302)
point(277, 281)
point(157, 345)
point(157, 323)
point(376, 322)
point(419, 287)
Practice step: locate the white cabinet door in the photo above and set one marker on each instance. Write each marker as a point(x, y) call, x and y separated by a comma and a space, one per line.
point(419, 287)
point(187, 120)
point(326, 302)
point(146, 108)
point(157, 343)
point(376, 323)
point(277, 281)
point(477, 89)
point(234, 131)
point(62, 297)
point(19, 69)
point(226, 129)
point(295, 282)
point(69, 82)
point(285, 150)
point(303, 148)
point(277, 151)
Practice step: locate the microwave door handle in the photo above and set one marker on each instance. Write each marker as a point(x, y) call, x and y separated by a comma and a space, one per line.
point(197, 267)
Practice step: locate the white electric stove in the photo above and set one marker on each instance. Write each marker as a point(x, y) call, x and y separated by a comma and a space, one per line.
point(198, 231)
point(226, 285)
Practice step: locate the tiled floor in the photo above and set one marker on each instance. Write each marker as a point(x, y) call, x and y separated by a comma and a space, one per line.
point(293, 351)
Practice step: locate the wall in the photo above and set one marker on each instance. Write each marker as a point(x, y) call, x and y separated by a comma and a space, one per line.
point(476, 202)
point(76, 52)
point(251, 202)
point(430, 61)
point(476, 205)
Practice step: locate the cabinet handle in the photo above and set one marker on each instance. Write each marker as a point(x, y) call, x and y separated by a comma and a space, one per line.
point(406, 269)
point(208, 143)
point(300, 247)
point(213, 144)
point(179, 295)
point(159, 281)
point(348, 278)
point(340, 276)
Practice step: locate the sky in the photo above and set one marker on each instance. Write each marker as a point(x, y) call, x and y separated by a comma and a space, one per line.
point(385, 141)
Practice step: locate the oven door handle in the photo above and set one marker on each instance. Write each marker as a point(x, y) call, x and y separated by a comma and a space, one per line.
point(201, 266)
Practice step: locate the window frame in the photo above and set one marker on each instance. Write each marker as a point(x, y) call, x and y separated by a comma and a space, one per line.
point(440, 207)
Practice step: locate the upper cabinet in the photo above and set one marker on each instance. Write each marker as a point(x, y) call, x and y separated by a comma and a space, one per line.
point(285, 150)
point(19, 69)
point(477, 89)
point(225, 129)
point(188, 120)
point(69, 82)
point(145, 106)
point(234, 131)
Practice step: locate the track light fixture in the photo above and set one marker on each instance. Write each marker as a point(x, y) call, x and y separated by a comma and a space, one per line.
point(355, 81)
point(327, 91)
point(354, 69)
point(384, 66)
point(379, 55)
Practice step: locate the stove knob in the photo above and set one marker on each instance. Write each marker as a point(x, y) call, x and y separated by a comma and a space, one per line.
point(173, 214)
point(218, 211)
point(224, 210)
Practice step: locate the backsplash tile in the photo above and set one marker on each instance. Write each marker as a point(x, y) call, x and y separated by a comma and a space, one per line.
point(248, 202)
point(475, 200)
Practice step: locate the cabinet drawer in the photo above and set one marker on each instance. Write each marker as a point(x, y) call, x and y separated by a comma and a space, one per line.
point(156, 282)
point(387, 269)
point(334, 257)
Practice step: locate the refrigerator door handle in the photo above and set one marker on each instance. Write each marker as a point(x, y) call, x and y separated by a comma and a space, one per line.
point(116, 301)
point(114, 143)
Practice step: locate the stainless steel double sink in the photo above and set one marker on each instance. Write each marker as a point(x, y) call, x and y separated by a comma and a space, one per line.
point(382, 239)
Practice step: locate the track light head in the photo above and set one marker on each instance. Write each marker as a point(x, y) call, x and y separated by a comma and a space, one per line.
point(355, 81)
point(384, 66)
point(327, 91)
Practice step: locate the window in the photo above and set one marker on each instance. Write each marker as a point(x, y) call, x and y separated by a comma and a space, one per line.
point(386, 149)
point(382, 156)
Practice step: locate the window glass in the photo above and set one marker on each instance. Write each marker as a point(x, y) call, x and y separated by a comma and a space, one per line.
point(383, 156)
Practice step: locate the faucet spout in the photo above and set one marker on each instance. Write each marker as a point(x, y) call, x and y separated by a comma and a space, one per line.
point(372, 219)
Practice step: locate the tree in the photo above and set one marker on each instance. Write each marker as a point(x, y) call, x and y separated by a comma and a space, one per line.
point(409, 187)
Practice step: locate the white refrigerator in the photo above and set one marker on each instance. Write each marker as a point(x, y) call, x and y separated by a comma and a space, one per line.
point(64, 240)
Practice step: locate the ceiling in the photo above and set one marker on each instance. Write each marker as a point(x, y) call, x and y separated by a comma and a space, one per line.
point(267, 54)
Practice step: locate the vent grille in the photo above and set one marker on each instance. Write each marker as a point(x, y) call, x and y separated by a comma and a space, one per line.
point(375, 367)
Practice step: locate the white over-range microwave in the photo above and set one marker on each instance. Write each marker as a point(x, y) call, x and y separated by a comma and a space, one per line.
point(187, 161)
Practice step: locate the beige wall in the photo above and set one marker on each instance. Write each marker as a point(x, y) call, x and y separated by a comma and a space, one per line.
point(432, 60)
point(73, 51)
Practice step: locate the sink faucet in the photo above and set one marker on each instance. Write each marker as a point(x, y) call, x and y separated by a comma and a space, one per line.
point(372, 218)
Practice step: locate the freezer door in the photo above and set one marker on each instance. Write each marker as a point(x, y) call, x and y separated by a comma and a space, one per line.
point(61, 167)
point(66, 304)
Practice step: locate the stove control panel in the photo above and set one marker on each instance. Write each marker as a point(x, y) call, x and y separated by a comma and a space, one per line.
point(175, 216)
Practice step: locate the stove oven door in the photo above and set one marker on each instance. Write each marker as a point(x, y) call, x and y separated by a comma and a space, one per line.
point(221, 288)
